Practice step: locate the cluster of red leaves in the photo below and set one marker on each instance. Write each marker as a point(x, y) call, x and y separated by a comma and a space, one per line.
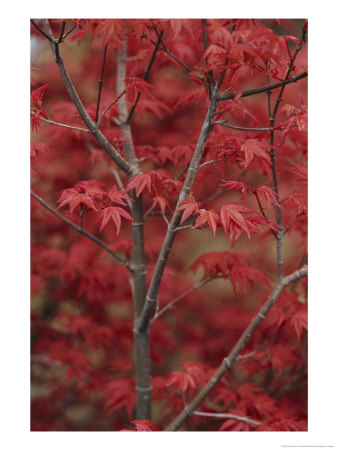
point(89, 196)
point(36, 106)
point(231, 215)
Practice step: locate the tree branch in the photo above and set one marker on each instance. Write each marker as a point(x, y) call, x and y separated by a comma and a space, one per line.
point(100, 83)
point(173, 302)
point(70, 30)
point(238, 347)
point(265, 88)
point(42, 32)
point(84, 130)
point(141, 340)
point(213, 161)
point(151, 298)
point(93, 128)
point(82, 231)
point(109, 106)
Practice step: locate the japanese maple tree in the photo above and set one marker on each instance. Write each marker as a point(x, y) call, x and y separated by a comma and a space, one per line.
point(169, 225)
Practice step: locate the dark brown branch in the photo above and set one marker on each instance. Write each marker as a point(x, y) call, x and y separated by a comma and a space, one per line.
point(238, 347)
point(151, 298)
point(69, 31)
point(168, 52)
point(101, 83)
point(265, 88)
point(82, 231)
point(42, 32)
point(62, 31)
point(101, 139)
point(145, 77)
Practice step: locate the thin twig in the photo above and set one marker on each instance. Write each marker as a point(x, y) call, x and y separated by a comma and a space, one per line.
point(109, 106)
point(62, 31)
point(70, 30)
point(227, 125)
point(226, 416)
point(173, 302)
point(101, 83)
point(213, 161)
point(247, 355)
point(84, 130)
point(82, 231)
point(186, 227)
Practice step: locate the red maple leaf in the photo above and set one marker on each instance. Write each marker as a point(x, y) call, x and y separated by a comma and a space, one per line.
point(120, 393)
point(181, 380)
point(76, 199)
point(37, 95)
point(161, 202)
point(211, 217)
point(215, 263)
point(144, 425)
point(232, 219)
point(117, 196)
point(84, 194)
point(135, 86)
point(268, 194)
point(243, 275)
point(36, 118)
point(237, 186)
point(255, 148)
point(113, 213)
point(140, 182)
point(190, 206)
point(299, 321)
